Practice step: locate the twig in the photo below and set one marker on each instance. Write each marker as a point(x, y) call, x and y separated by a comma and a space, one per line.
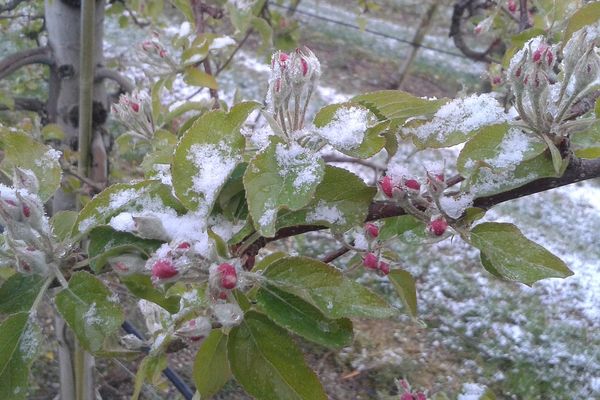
point(327, 258)
point(125, 83)
point(523, 16)
point(95, 185)
point(10, 5)
point(38, 55)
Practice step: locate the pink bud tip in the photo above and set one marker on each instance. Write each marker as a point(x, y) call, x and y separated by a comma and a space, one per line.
point(228, 276)
point(404, 384)
point(304, 65)
point(223, 295)
point(512, 6)
point(26, 211)
point(496, 80)
point(477, 30)
point(9, 201)
point(164, 269)
point(387, 186)
point(407, 396)
point(372, 229)
point(438, 226)
point(549, 57)
point(120, 266)
point(370, 261)
point(421, 396)
point(283, 57)
point(384, 267)
point(184, 245)
point(537, 55)
point(412, 184)
point(196, 338)
point(135, 107)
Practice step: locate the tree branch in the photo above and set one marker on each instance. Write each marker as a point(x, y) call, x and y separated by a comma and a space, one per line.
point(106, 73)
point(523, 16)
point(27, 104)
point(10, 5)
point(38, 55)
point(578, 170)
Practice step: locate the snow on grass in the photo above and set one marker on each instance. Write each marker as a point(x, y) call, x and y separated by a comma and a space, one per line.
point(471, 391)
point(461, 115)
point(347, 128)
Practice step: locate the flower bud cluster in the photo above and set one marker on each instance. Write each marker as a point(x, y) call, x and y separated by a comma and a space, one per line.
point(134, 110)
point(291, 84)
point(28, 240)
point(406, 392)
point(154, 54)
point(543, 98)
point(420, 200)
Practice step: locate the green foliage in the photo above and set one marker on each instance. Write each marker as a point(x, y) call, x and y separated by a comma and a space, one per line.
point(90, 310)
point(404, 283)
point(21, 150)
point(267, 363)
point(505, 252)
point(211, 368)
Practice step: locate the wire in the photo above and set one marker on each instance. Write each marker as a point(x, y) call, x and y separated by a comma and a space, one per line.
point(371, 31)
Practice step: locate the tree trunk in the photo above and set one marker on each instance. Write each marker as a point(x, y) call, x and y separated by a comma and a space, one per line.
point(63, 23)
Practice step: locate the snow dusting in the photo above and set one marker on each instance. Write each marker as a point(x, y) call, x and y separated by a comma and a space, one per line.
point(298, 161)
point(347, 128)
point(323, 212)
point(461, 115)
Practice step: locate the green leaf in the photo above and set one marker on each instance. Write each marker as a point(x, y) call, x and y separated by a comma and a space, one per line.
point(211, 368)
point(22, 151)
point(267, 363)
point(396, 104)
point(406, 227)
point(296, 315)
point(404, 283)
point(18, 349)
point(341, 202)
point(207, 154)
point(195, 77)
point(498, 147)
point(280, 177)
point(105, 243)
point(586, 15)
point(513, 256)
point(265, 31)
point(586, 144)
point(326, 288)
point(335, 122)
point(141, 286)
point(268, 260)
point(18, 293)
point(88, 308)
point(557, 159)
point(149, 369)
point(53, 132)
point(62, 223)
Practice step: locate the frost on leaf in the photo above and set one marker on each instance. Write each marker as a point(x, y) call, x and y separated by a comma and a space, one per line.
point(299, 163)
point(214, 165)
point(453, 122)
point(326, 213)
point(346, 130)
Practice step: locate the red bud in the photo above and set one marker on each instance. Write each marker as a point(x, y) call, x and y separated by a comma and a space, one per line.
point(387, 186)
point(512, 6)
point(134, 106)
point(438, 226)
point(304, 65)
point(412, 184)
point(228, 276)
point(164, 269)
point(372, 229)
point(26, 211)
point(184, 245)
point(384, 267)
point(370, 261)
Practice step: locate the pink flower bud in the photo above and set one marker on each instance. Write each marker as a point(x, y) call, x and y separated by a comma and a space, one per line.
point(512, 6)
point(496, 80)
point(421, 396)
point(438, 226)
point(370, 261)
point(412, 184)
point(384, 267)
point(26, 211)
point(304, 65)
point(387, 186)
point(404, 384)
point(477, 30)
point(228, 276)
point(135, 106)
point(549, 57)
point(407, 396)
point(163, 269)
point(184, 245)
point(372, 229)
